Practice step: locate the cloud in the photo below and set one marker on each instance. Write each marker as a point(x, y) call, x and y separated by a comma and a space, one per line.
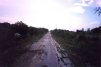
point(89, 2)
point(98, 2)
point(79, 6)
point(78, 9)
point(84, 3)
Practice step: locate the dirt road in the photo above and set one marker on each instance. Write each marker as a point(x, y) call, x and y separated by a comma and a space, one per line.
point(44, 53)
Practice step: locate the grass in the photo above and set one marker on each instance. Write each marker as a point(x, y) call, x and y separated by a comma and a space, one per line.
point(83, 47)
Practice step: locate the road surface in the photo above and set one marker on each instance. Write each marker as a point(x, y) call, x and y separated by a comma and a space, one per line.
point(44, 53)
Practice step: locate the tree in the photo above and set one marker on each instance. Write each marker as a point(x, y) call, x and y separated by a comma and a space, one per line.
point(21, 28)
point(98, 10)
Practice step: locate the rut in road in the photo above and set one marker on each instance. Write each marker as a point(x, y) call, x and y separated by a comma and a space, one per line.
point(44, 53)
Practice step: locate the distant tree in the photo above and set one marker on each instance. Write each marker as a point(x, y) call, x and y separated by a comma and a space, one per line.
point(88, 30)
point(83, 29)
point(4, 25)
point(96, 30)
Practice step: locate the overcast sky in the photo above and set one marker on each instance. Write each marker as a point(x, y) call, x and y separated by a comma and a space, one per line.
point(63, 14)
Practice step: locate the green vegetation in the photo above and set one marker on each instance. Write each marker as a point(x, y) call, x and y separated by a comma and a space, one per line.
point(83, 47)
point(16, 39)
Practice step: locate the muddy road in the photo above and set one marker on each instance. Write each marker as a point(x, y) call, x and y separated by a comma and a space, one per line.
point(44, 53)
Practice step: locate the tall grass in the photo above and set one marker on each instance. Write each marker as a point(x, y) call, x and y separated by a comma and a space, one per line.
point(82, 46)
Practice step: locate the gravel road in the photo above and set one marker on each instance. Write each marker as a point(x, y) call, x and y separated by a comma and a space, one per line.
point(44, 53)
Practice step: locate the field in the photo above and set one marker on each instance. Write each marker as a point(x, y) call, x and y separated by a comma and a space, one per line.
point(82, 46)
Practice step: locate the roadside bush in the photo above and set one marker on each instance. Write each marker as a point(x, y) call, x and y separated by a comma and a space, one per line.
point(15, 39)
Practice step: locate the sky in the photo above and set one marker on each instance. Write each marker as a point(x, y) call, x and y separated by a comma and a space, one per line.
point(51, 14)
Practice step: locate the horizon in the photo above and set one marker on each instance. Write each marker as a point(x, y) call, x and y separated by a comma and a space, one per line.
point(55, 28)
point(51, 14)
